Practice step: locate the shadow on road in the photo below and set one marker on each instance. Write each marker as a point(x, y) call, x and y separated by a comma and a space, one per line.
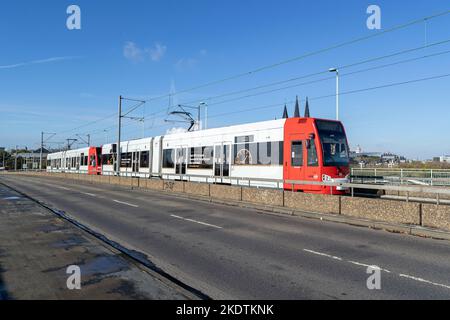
point(3, 290)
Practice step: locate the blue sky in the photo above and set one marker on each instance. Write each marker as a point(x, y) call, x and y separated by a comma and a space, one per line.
point(56, 80)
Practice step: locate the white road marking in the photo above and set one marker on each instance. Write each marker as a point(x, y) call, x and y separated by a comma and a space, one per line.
point(323, 254)
point(199, 222)
point(367, 265)
point(126, 203)
point(64, 188)
point(89, 194)
point(424, 281)
point(385, 270)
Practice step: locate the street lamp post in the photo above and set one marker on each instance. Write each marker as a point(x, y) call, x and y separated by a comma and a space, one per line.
point(15, 158)
point(118, 154)
point(336, 70)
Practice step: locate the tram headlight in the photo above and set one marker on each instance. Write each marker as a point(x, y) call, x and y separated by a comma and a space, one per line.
point(326, 178)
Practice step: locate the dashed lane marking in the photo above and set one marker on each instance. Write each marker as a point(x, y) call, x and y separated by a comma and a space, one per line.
point(424, 281)
point(323, 254)
point(63, 188)
point(368, 265)
point(126, 203)
point(402, 275)
point(195, 221)
point(89, 194)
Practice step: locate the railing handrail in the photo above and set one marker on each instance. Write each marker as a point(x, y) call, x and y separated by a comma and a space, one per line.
point(418, 189)
point(400, 169)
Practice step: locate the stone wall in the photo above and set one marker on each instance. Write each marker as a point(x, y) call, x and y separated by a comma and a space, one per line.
point(381, 210)
point(201, 189)
point(225, 192)
point(312, 202)
point(435, 216)
point(270, 197)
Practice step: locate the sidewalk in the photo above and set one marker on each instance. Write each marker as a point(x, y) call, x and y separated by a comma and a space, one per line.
point(36, 247)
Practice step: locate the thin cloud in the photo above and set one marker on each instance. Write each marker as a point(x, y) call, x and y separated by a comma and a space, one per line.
point(157, 52)
point(190, 62)
point(134, 53)
point(33, 62)
point(185, 64)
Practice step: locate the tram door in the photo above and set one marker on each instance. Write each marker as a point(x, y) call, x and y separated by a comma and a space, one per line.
point(135, 163)
point(312, 169)
point(222, 159)
point(181, 160)
point(294, 158)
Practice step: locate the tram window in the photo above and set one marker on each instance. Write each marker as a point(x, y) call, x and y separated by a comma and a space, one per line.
point(125, 160)
point(312, 154)
point(144, 163)
point(107, 159)
point(168, 156)
point(243, 139)
point(261, 153)
point(270, 153)
point(92, 161)
point(245, 154)
point(181, 155)
point(297, 153)
point(200, 158)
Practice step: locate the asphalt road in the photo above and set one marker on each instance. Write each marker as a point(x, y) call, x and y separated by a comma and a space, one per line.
point(238, 253)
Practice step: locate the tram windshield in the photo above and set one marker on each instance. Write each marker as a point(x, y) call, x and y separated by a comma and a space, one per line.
point(334, 143)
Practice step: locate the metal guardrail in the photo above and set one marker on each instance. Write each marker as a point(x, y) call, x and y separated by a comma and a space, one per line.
point(432, 177)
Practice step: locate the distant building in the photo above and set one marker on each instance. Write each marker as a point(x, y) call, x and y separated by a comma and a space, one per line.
point(31, 160)
point(444, 159)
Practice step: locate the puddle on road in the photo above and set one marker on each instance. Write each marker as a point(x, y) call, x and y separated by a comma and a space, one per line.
point(104, 265)
point(69, 243)
point(12, 198)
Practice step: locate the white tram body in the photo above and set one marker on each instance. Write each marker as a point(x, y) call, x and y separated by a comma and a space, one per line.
point(205, 155)
point(227, 153)
point(135, 158)
point(70, 161)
